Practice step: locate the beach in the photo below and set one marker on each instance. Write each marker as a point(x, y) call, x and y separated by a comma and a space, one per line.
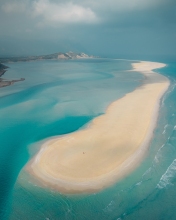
point(112, 146)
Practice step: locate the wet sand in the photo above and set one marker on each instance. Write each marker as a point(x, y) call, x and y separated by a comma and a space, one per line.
point(111, 146)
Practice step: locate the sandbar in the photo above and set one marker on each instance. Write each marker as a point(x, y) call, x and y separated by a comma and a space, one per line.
point(112, 146)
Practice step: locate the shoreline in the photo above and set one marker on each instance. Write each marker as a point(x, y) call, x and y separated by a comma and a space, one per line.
point(4, 82)
point(92, 159)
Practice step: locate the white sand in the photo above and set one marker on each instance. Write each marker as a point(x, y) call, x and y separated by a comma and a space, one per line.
point(111, 147)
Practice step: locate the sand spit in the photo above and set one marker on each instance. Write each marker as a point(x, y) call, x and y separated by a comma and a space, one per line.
point(113, 145)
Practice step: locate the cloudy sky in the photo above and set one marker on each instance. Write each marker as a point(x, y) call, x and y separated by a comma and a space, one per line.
point(113, 28)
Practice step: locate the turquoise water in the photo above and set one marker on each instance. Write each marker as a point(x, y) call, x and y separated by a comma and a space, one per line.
point(61, 97)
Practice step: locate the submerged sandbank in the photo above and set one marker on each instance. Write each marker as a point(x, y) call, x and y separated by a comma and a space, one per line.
point(110, 147)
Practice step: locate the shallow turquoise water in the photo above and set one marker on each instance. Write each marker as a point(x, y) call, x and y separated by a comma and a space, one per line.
point(61, 97)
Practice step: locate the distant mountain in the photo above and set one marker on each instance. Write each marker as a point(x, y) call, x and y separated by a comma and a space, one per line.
point(56, 56)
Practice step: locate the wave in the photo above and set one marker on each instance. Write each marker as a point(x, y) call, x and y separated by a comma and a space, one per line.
point(158, 155)
point(169, 91)
point(165, 127)
point(168, 176)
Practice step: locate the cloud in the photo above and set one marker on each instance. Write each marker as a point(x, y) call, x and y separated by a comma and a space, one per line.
point(47, 12)
point(117, 5)
point(14, 7)
point(88, 11)
point(56, 12)
point(121, 26)
point(63, 13)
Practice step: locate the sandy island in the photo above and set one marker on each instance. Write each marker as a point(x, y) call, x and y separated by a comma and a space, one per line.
point(110, 147)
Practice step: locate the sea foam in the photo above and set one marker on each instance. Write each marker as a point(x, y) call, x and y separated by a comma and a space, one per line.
point(167, 177)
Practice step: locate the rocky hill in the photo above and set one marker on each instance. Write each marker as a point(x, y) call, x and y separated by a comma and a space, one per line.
point(60, 56)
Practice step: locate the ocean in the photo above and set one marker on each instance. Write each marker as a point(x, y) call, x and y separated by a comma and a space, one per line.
point(59, 97)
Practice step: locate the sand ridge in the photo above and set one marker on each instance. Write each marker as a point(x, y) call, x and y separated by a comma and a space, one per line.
point(110, 147)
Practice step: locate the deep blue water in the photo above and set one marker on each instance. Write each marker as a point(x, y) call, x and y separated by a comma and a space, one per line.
point(60, 97)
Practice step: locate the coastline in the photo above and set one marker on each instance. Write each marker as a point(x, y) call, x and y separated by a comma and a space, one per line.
point(92, 159)
point(3, 82)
